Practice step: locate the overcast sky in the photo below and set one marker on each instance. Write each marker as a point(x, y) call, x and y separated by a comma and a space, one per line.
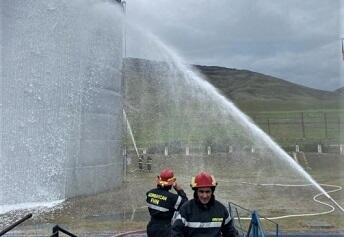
point(295, 40)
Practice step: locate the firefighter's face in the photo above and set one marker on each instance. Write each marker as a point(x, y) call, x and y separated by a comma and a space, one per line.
point(204, 195)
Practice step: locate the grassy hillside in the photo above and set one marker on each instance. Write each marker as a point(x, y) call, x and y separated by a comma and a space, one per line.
point(254, 92)
point(340, 91)
point(166, 106)
point(288, 112)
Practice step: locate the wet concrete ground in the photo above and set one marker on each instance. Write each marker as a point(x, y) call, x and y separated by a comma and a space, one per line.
point(123, 209)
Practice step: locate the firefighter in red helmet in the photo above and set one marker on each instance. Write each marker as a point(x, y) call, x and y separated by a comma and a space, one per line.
point(203, 215)
point(162, 204)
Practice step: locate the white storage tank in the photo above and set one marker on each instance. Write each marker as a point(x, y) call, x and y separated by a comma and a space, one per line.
point(60, 99)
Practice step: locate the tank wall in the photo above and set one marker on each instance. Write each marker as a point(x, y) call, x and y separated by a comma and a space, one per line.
point(61, 104)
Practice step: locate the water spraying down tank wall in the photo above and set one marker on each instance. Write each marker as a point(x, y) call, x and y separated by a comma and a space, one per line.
point(60, 103)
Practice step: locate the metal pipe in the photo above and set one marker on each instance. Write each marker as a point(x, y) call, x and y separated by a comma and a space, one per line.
point(57, 229)
point(28, 216)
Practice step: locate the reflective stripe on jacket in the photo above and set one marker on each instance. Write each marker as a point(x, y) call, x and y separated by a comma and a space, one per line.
point(195, 220)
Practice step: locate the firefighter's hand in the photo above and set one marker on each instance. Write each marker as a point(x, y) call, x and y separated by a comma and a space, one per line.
point(177, 187)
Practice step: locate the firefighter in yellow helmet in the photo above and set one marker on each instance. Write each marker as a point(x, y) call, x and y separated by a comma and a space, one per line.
point(203, 215)
point(162, 204)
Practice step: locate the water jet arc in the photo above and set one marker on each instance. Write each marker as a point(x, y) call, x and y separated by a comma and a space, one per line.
point(240, 117)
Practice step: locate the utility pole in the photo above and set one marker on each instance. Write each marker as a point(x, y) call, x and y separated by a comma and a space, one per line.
point(124, 89)
point(124, 7)
point(342, 41)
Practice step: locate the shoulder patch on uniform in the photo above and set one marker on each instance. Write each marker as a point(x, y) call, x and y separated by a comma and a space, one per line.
point(217, 219)
point(157, 196)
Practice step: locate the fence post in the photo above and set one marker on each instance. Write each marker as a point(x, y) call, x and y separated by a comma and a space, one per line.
point(230, 149)
point(187, 150)
point(166, 151)
point(303, 126)
point(209, 150)
point(297, 148)
point(319, 148)
point(325, 121)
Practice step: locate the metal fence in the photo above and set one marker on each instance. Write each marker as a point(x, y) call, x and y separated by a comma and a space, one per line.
point(307, 126)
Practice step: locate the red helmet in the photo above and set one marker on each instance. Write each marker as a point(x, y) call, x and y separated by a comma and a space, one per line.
point(203, 180)
point(166, 177)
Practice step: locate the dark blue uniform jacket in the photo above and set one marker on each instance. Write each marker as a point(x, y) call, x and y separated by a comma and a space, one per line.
point(198, 220)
